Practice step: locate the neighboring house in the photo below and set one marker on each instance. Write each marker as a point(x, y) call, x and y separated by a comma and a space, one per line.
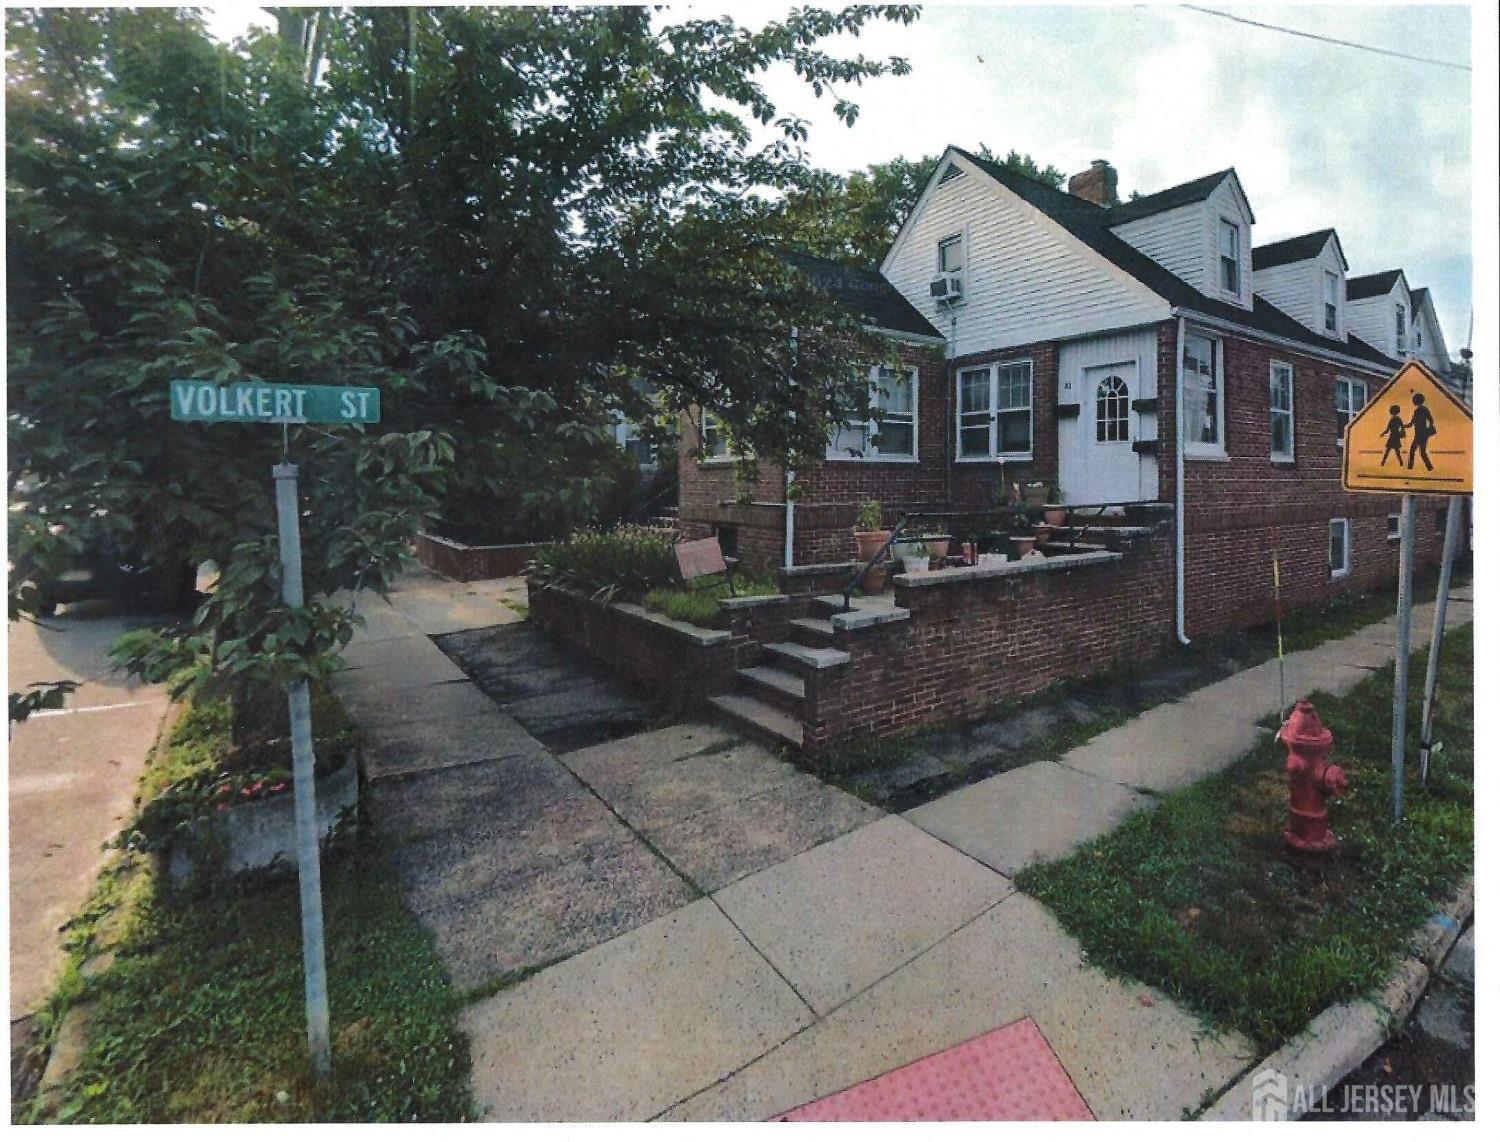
point(1380, 312)
point(1072, 328)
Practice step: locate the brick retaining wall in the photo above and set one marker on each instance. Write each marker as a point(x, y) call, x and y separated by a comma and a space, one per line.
point(460, 561)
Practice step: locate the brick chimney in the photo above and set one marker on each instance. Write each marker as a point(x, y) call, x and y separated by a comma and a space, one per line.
point(1099, 184)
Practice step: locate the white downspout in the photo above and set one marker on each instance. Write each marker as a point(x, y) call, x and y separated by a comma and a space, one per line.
point(786, 555)
point(1181, 450)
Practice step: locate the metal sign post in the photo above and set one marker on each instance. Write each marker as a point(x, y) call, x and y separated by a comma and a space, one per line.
point(1414, 437)
point(274, 402)
point(1403, 666)
point(1439, 619)
point(309, 873)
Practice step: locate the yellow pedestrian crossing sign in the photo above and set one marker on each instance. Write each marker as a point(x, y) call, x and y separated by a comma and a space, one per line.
point(1413, 437)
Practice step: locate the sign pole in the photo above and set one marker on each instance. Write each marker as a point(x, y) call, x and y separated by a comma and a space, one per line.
point(309, 876)
point(1403, 652)
point(1439, 619)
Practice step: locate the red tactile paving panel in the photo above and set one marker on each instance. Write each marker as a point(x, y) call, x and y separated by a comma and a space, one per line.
point(1007, 1075)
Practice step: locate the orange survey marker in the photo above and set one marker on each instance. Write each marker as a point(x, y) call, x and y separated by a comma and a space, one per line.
point(1413, 437)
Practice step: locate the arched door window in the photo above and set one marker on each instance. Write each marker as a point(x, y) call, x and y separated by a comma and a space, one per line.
point(1112, 410)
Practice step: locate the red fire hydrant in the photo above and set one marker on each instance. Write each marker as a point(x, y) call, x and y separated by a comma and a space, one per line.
point(1312, 780)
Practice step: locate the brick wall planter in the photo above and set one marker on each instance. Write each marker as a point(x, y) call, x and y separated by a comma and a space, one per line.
point(676, 661)
point(463, 562)
point(260, 834)
point(977, 636)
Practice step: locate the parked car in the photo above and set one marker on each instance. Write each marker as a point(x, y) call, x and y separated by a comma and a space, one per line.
point(108, 568)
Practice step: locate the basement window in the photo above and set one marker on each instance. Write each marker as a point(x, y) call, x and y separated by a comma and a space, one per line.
point(1393, 527)
point(1340, 554)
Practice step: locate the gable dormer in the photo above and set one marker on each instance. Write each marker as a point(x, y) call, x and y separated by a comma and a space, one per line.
point(1200, 231)
point(1305, 277)
point(1380, 312)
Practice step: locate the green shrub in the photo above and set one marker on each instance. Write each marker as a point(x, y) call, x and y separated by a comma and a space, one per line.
point(627, 562)
point(700, 603)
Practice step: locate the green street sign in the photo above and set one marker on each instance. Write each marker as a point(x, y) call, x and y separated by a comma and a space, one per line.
point(271, 402)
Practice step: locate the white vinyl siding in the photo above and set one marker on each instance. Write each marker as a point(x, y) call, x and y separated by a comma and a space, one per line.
point(1299, 289)
point(1349, 396)
point(1203, 396)
point(1373, 319)
point(994, 417)
point(1283, 420)
point(892, 437)
point(1025, 278)
point(1340, 549)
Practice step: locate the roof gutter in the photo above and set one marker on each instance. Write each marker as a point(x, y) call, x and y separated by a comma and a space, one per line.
point(901, 335)
point(1302, 347)
point(1179, 493)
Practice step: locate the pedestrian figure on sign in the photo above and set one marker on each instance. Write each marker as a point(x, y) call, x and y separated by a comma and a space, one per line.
point(1395, 433)
point(1423, 429)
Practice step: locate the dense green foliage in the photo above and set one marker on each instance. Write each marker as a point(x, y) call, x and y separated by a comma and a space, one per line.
point(626, 563)
point(1201, 898)
point(510, 220)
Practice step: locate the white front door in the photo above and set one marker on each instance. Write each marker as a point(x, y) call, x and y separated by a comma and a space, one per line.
point(1108, 469)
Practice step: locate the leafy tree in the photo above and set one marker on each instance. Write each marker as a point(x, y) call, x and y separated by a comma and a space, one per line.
point(504, 218)
point(855, 219)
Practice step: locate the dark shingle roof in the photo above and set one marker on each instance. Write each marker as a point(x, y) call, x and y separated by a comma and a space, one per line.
point(1170, 199)
point(863, 292)
point(1090, 225)
point(1372, 285)
point(1283, 253)
point(1418, 299)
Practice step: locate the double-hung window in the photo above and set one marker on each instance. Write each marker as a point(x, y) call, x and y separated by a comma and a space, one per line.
point(1202, 396)
point(1330, 301)
point(1348, 398)
point(713, 438)
point(951, 255)
point(1229, 257)
point(1400, 328)
point(1340, 555)
point(994, 412)
point(892, 435)
point(1283, 439)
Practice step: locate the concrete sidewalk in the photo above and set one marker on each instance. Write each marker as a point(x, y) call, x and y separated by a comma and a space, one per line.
point(676, 925)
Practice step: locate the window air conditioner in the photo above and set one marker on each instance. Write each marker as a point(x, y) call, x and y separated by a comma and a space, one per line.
point(947, 289)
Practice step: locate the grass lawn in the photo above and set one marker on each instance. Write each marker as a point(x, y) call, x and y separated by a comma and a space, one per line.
point(198, 1016)
point(1200, 897)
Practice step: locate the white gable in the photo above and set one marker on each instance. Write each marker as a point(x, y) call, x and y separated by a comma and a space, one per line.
point(1296, 288)
point(1026, 279)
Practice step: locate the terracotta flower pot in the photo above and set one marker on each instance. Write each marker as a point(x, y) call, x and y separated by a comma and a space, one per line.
point(869, 542)
point(1024, 544)
point(938, 548)
point(1055, 517)
point(874, 580)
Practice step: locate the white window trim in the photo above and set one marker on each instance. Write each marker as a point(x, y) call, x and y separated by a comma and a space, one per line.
point(992, 456)
point(1341, 572)
point(1239, 258)
point(1393, 527)
point(1291, 412)
point(1194, 449)
point(1330, 275)
point(1350, 382)
point(962, 273)
point(872, 427)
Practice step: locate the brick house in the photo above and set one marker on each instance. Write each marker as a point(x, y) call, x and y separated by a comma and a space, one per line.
point(1062, 337)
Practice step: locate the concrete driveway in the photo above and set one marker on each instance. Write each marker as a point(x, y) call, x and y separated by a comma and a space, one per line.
point(72, 775)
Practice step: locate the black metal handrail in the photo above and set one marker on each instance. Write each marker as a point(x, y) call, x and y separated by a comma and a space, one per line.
point(874, 559)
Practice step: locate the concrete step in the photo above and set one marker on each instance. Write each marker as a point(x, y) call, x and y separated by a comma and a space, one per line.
point(1069, 547)
point(805, 658)
point(761, 720)
point(777, 686)
point(813, 632)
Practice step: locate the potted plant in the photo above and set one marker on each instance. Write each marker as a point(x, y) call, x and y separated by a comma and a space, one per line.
point(868, 533)
point(874, 579)
point(1055, 513)
point(914, 556)
point(937, 545)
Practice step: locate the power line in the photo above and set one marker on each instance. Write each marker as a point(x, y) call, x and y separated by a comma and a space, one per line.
point(1326, 39)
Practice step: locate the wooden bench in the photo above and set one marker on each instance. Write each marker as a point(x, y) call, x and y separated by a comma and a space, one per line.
point(699, 558)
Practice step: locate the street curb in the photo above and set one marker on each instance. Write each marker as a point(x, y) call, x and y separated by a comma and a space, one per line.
point(1346, 1034)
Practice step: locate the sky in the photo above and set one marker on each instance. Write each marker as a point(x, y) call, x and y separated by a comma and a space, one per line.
point(1321, 135)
